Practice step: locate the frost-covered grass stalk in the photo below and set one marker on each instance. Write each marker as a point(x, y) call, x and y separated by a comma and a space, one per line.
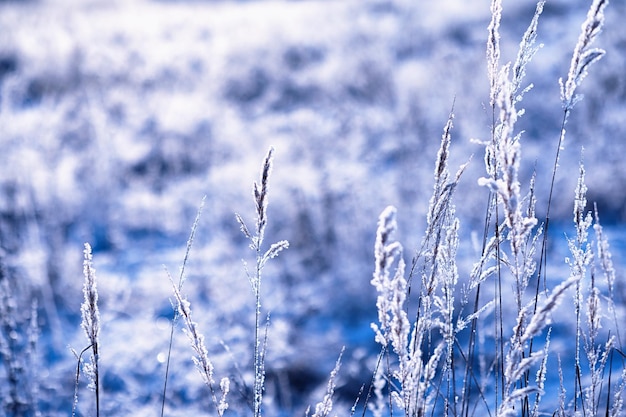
point(418, 355)
point(179, 286)
point(603, 254)
point(583, 256)
point(584, 55)
point(502, 161)
point(256, 244)
point(91, 323)
point(413, 374)
point(201, 359)
point(324, 407)
point(582, 58)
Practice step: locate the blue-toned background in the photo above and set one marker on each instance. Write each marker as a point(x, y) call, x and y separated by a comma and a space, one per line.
point(118, 117)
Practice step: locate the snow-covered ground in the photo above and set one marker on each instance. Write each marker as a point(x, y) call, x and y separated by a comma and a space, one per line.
point(118, 117)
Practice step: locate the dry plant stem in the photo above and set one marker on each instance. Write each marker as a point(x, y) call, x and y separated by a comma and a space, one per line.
point(256, 242)
point(389, 377)
point(439, 201)
point(183, 310)
point(261, 208)
point(606, 261)
point(516, 364)
point(581, 257)
point(259, 370)
point(324, 407)
point(413, 342)
point(180, 285)
point(91, 321)
point(618, 400)
point(79, 359)
point(377, 383)
point(502, 158)
point(582, 58)
point(357, 400)
point(582, 252)
point(201, 360)
point(543, 260)
point(493, 65)
point(469, 371)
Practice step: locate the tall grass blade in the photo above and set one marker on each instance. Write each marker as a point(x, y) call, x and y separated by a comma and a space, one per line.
point(181, 279)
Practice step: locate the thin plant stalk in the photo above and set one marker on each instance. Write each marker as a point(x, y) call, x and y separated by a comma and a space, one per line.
point(91, 322)
point(260, 193)
point(79, 360)
point(582, 58)
point(201, 359)
point(183, 311)
point(181, 279)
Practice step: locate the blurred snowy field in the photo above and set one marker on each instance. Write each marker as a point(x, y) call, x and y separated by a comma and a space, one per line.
point(118, 117)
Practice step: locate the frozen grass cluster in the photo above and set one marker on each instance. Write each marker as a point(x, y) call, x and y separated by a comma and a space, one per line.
point(514, 331)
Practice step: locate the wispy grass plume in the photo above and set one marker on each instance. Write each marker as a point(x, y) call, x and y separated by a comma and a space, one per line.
point(201, 359)
point(584, 55)
point(412, 380)
point(582, 58)
point(260, 192)
point(324, 407)
point(493, 49)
